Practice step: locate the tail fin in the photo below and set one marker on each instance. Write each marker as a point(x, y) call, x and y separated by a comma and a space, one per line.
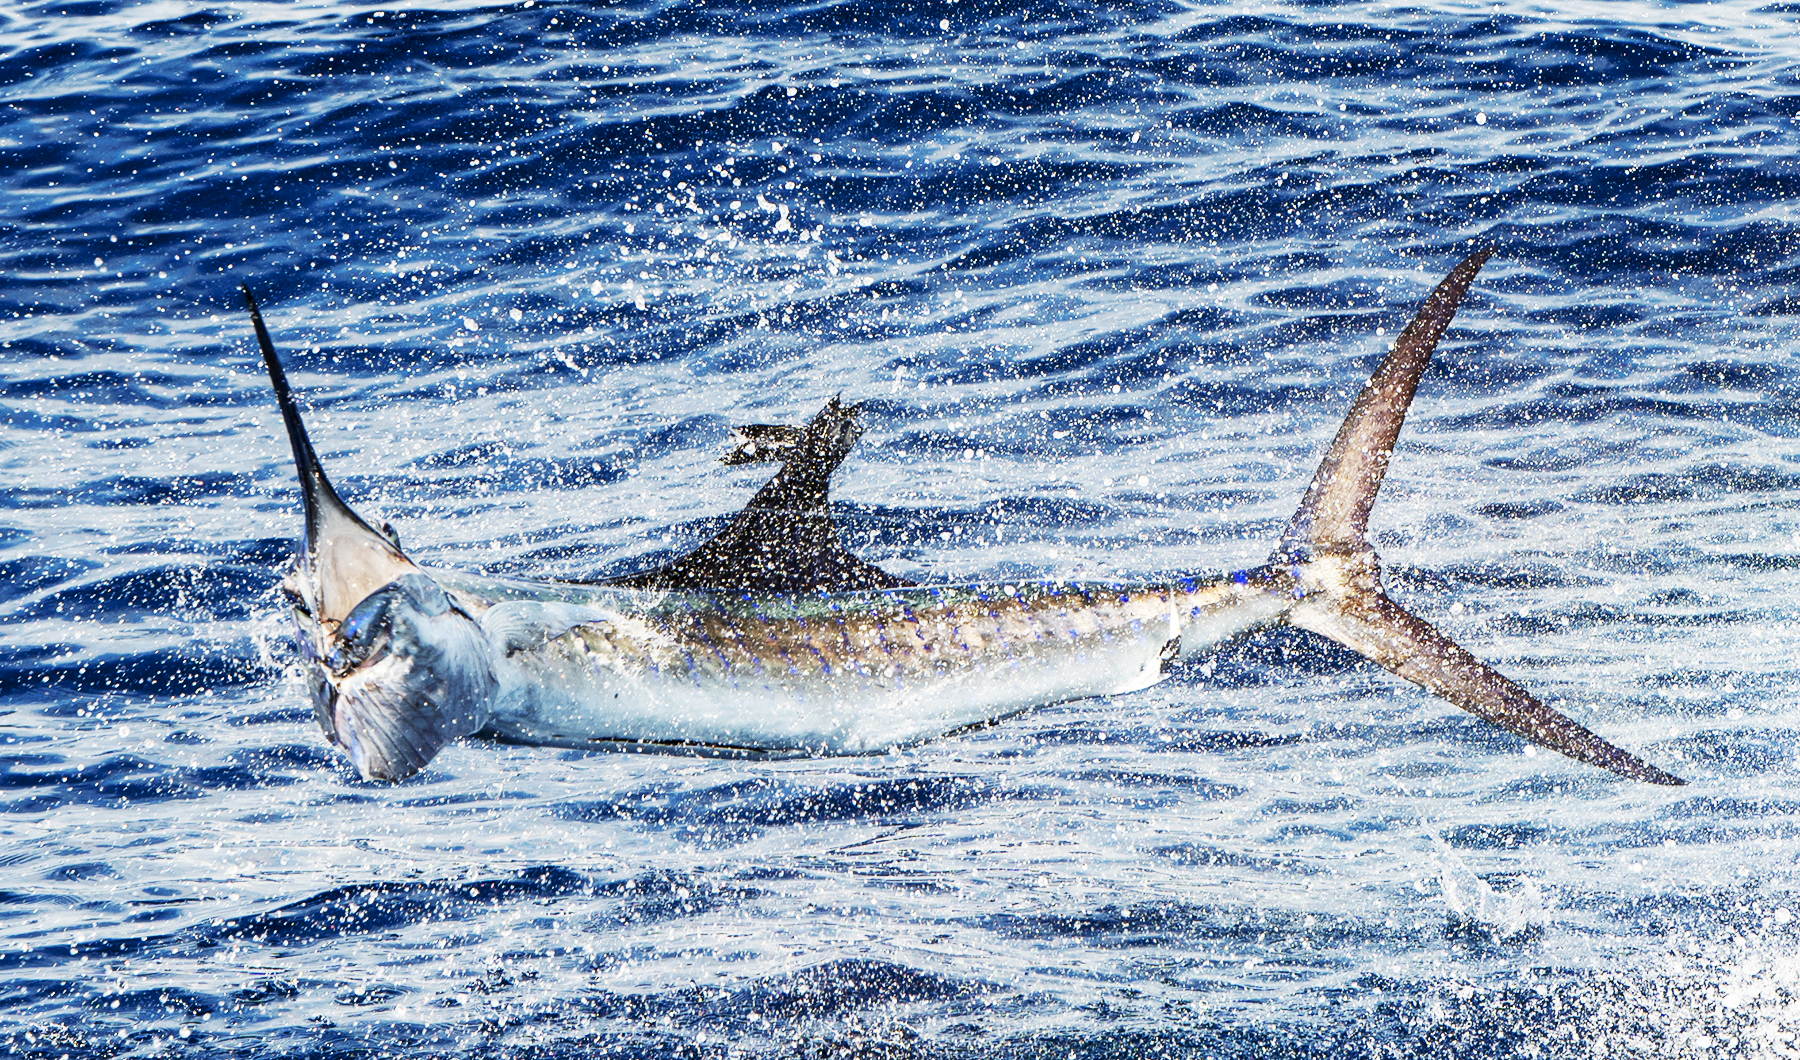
point(1334, 514)
point(343, 558)
point(1326, 546)
point(1372, 624)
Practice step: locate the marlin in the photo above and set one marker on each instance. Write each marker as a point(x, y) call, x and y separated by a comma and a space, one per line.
point(771, 638)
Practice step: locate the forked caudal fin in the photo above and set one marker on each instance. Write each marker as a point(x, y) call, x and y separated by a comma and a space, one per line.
point(1326, 547)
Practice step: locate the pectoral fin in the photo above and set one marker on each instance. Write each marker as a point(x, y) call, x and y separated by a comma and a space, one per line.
point(1373, 625)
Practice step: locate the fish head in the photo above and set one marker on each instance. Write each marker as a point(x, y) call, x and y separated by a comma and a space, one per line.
point(342, 561)
point(397, 668)
point(406, 672)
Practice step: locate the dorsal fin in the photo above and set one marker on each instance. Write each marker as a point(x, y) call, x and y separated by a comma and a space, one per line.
point(343, 558)
point(1334, 514)
point(784, 540)
point(762, 443)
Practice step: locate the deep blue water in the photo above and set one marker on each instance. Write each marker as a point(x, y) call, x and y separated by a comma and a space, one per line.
point(1107, 276)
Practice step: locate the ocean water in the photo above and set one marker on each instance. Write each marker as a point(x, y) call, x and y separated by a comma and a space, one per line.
point(1106, 276)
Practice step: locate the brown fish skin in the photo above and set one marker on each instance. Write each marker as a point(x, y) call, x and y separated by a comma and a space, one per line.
point(911, 634)
point(843, 673)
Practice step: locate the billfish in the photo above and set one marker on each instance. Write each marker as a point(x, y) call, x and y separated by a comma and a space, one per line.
point(771, 638)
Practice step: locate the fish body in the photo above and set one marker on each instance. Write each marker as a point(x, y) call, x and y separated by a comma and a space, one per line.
point(833, 673)
point(771, 638)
